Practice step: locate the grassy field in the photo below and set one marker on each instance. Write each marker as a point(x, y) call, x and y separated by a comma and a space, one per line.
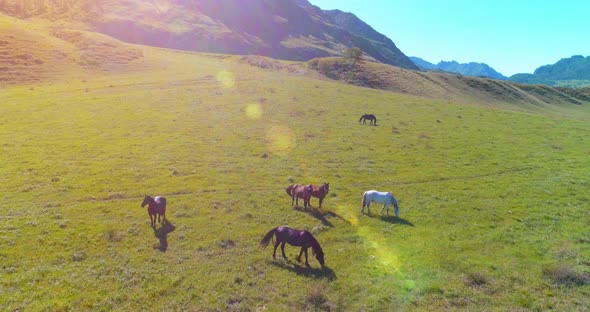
point(494, 202)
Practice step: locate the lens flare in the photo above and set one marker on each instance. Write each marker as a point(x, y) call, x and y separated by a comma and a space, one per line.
point(386, 255)
point(280, 140)
point(347, 213)
point(226, 79)
point(253, 111)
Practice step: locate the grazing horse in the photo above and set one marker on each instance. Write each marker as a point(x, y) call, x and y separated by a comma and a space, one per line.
point(384, 198)
point(297, 191)
point(156, 208)
point(320, 191)
point(370, 117)
point(294, 237)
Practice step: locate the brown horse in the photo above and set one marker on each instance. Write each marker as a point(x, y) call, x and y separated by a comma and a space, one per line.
point(294, 237)
point(320, 191)
point(156, 208)
point(297, 191)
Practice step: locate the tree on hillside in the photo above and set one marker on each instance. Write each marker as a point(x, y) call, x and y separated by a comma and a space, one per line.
point(353, 54)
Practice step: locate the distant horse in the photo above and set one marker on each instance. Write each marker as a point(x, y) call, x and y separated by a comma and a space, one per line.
point(297, 191)
point(370, 117)
point(384, 198)
point(294, 237)
point(320, 191)
point(156, 208)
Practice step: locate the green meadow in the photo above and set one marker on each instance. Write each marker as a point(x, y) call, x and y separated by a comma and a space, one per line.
point(494, 201)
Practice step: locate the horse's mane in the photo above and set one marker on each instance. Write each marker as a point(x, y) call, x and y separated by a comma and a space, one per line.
point(315, 246)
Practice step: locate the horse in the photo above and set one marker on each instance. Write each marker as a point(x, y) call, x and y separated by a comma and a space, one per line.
point(297, 191)
point(320, 191)
point(384, 198)
point(370, 117)
point(156, 208)
point(294, 237)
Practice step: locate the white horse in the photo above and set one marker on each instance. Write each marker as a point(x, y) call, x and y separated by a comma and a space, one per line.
point(384, 198)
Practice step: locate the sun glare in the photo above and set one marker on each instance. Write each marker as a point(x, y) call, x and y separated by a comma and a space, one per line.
point(280, 140)
point(226, 79)
point(254, 111)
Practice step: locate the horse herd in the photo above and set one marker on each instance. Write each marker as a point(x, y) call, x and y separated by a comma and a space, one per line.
point(284, 234)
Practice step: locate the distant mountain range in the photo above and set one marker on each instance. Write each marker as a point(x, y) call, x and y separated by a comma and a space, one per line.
point(573, 71)
point(467, 69)
point(282, 29)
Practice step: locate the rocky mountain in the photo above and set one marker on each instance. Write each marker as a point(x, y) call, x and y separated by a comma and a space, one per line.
point(568, 71)
point(467, 69)
point(283, 29)
point(377, 41)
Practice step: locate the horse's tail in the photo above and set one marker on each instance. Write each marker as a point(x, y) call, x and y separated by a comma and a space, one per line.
point(289, 189)
point(361, 118)
point(267, 238)
point(364, 202)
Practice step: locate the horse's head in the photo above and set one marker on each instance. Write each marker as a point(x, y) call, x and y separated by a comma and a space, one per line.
point(146, 200)
point(319, 254)
point(326, 187)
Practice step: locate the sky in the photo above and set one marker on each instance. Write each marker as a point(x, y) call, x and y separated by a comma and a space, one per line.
point(512, 36)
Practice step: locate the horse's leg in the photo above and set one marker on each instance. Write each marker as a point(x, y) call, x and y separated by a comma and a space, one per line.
point(274, 253)
point(306, 262)
point(321, 200)
point(283, 249)
point(300, 253)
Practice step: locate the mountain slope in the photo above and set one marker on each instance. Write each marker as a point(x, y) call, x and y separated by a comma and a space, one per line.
point(452, 88)
point(283, 29)
point(378, 41)
point(468, 69)
point(568, 71)
point(35, 52)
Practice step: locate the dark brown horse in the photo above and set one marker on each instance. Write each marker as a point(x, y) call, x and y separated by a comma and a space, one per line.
point(297, 191)
point(370, 117)
point(156, 208)
point(294, 237)
point(320, 191)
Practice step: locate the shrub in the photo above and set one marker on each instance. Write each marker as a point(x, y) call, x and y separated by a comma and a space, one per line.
point(316, 296)
point(565, 275)
point(475, 279)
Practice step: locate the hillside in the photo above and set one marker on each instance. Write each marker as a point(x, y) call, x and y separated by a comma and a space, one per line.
point(282, 29)
point(39, 52)
point(491, 178)
point(573, 71)
point(449, 87)
point(468, 69)
point(493, 202)
point(379, 42)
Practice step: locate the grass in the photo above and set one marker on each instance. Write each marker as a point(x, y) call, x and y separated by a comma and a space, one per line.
point(491, 198)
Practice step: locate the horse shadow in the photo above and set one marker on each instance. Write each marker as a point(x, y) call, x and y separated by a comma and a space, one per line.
point(162, 234)
point(317, 273)
point(320, 215)
point(394, 220)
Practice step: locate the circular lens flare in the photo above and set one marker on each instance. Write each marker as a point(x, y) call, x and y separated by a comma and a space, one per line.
point(226, 79)
point(280, 140)
point(254, 111)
